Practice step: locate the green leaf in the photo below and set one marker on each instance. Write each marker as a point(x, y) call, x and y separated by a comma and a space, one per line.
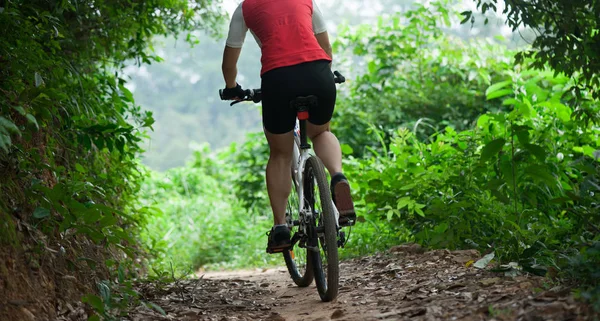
point(390, 214)
point(507, 171)
point(536, 269)
point(467, 15)
point(537, 151)
point(41, 212)
point(32, 120)
point(5, 142)
point(20, 109)
point(99, 142)
point(94, 301)
point(497, 86)
point(499, 93)
point(156, 307)
point(9, 126)
point(492, 148)
point(104, 291)
point(419, 211)
point(484, 261)
point(522, 133)
point(79, 168)
point(542, 174)
point(500, 196)
point(346, 149)
point(121, 273)
point(108, 220)
point(91, 216)
point(375, 184)
point(94, 317)
point(510, 101)
point(404, 201)
point(121, 144)
point(525, 109)
point(560, 110)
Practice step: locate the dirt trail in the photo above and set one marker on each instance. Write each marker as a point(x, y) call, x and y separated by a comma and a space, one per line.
point(405, 284)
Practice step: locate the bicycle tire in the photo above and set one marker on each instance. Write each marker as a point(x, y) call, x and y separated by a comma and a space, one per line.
point(301, 275)
point(327, 283)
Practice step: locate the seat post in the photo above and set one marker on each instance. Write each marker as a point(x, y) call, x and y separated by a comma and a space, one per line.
point(303, 140)
point(301, 106)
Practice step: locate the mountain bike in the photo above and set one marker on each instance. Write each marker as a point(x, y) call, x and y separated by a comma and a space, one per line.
point(311, 215)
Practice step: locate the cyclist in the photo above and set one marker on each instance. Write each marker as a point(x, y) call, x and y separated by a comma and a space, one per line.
point(296, 58)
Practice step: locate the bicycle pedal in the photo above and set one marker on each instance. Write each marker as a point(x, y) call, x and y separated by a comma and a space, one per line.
point(345, 222)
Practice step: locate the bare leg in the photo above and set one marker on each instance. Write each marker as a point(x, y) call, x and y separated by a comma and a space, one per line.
point(279, 167)
point(326, 146)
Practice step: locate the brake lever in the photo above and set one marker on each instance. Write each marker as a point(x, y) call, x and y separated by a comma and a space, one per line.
point(236, 102)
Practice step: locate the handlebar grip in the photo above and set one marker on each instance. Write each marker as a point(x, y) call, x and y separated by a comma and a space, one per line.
point(256, 95)
point(339, 78)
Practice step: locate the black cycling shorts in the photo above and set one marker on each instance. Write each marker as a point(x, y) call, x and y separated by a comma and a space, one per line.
point(282, 85)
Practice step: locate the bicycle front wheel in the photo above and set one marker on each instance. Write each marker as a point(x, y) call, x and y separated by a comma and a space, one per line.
point(324, 249)
point(297, 259)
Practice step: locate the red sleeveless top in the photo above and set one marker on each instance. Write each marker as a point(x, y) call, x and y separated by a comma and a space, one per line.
point(284, 28)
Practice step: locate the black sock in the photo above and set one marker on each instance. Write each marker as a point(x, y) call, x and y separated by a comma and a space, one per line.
point(336, 178)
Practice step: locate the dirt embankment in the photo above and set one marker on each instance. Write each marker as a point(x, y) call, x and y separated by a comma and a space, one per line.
point(405, 284)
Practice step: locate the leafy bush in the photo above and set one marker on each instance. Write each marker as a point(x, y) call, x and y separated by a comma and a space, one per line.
point(524, 183)
point(416, 75)
point(70, 131)
point(202, 222)
point(584, 270)
point(250, 162)
point(566, 36)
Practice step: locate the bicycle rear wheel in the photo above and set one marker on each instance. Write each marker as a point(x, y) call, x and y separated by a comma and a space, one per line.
point(324, 255)
point(297, 259)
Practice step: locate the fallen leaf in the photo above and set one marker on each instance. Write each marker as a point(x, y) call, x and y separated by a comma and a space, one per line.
point(484, 261)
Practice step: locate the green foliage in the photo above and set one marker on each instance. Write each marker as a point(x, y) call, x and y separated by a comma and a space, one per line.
point(249, 183)
point(584, 269)
point(8, 232)
point(416, 76)
point(495, 157)
point(567, 35)
point(523, 182)
point(117, 294)
point(66, 104)
point(464, 150)
point(70, 131)
point(202, 222)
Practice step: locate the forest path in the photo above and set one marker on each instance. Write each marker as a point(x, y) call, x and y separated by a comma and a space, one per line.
point(404, 284)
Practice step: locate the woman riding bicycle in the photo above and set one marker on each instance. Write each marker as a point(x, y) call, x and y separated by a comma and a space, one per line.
point(296, 60)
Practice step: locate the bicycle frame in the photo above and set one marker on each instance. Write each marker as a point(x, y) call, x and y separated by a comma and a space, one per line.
point(300, 156)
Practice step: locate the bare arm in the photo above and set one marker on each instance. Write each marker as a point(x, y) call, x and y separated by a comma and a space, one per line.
point(320, 30)
point(323, 39)
point(229, 67)
point(233, 47)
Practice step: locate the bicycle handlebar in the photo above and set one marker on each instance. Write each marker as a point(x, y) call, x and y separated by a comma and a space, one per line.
point(255, 95)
